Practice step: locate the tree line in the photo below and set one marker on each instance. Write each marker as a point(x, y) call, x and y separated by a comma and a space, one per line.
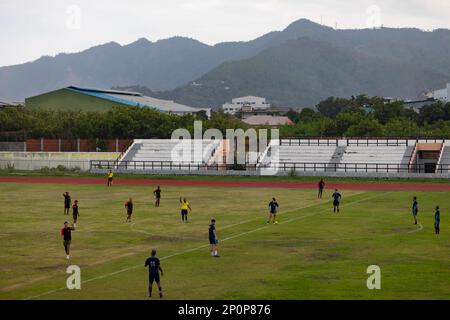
point(356, 117)
point(363, 116)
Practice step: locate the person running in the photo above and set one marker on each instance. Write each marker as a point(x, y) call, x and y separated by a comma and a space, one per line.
point(110, 178)
point(415, 209)
point(321, 187)
point(336, 200)
point(154, 267)
point(129, 208)
point(273, 207)
point(67, 202)
point(437, 220)
point(157, 194)
point(185, 208)
point(213, 238)
point(66, 235)
point(75, 212)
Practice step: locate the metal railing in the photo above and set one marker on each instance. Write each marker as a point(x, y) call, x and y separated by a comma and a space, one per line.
point(358, 167)
point(282, 167)
point(167, 166)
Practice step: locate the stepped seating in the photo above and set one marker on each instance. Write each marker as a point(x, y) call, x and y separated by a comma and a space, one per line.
point(167, 154)
point(376, 158)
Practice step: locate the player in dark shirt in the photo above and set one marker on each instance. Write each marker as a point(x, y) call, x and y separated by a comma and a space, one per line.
point(66, 235)
point(129, 208)
point(75, 212)
point(157, 194)
point(213, 238)
point(273, 207)
point(415, 209)
point(154, 267)
point(321, 187)
point(437, 220)
point(336, 200)
point(67, 202)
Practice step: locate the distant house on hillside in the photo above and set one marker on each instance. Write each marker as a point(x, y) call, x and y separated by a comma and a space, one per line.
point(442, 94)
point(268, 121)
point(247, 102)
point(93, 99)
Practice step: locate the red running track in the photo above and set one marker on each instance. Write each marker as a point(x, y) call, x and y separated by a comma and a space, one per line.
point(234, 184)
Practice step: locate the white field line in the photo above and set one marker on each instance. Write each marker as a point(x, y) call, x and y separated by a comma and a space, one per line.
point(207, 245)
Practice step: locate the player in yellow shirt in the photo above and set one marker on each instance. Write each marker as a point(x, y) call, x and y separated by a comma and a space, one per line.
point(185, 208)
point(110, 178)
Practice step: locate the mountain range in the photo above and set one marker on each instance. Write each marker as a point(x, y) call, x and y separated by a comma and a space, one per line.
point(295, 67)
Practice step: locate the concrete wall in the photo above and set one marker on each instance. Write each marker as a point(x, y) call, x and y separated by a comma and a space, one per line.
point(39, 160)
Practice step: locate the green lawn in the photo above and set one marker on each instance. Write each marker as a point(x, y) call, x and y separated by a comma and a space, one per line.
point(310, 254)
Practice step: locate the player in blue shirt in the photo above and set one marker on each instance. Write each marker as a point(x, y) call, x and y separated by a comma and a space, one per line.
point(273, 207)
point(213, 242)
point(154, 267)
point(336, 200)
point(437, 220)
point(415, 209)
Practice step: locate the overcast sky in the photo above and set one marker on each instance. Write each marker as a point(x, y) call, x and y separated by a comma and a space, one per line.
point(30, 29)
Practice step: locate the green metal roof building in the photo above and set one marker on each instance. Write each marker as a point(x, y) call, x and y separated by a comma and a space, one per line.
point(92, 99)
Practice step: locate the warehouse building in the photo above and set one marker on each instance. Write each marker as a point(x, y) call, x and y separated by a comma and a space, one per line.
point(92, 99)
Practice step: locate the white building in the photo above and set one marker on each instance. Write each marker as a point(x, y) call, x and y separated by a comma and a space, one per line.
point(248, 102)
point(442, 94)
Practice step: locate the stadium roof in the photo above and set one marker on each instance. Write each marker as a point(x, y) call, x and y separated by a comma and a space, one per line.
point(267, 120)
point(136, 99)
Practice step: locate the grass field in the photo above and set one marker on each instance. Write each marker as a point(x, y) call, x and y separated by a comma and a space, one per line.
point(310, 254)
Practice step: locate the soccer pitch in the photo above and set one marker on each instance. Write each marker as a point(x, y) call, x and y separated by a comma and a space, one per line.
point(310, 254)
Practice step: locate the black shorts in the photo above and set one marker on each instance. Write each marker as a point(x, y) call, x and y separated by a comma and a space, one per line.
point(273, 212)
point(336, 203)
point(67, 244)
point(129, 213)
point(184, 212)
point(212, 241)
point(153, 277)
point(66, 205)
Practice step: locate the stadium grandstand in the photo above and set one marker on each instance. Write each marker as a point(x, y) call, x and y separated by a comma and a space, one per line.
point(324, 157)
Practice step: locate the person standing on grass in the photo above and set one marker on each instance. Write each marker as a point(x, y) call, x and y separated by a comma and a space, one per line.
point(129, 208)
point(437, 220)
point(273, 207)
point(110, 178)
point(321, 187)
point(154, 267)
point(75, 212)
point(157, 194)
point(66, 235)
point(185, 208)
point(67, 202)
point(415, 209)
point(213, 242)
point(336, 200)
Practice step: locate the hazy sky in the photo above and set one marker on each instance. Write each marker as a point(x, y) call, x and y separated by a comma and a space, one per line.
point(30, 29)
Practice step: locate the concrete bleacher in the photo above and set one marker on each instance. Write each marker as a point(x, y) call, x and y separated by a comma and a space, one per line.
point(338, 155)
point(444, 162)
point(302, 157)
point(372, 156)
point(164, 154)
